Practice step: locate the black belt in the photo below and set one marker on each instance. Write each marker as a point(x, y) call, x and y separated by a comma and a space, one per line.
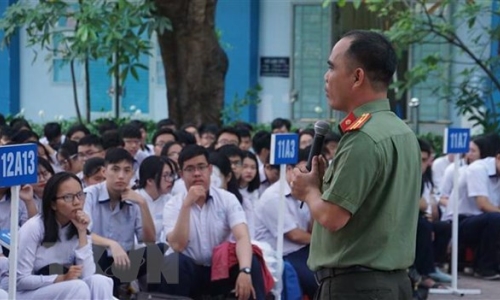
point(326, 273)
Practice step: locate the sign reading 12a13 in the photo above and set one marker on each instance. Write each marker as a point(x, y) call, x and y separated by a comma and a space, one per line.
point(18, 164)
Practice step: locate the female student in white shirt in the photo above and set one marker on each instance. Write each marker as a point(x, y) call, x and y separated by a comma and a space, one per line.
point(55, 250)
point(249, 184)
point(156, 179)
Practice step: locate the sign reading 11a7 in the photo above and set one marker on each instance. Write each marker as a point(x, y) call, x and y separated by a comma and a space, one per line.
point(456, 140)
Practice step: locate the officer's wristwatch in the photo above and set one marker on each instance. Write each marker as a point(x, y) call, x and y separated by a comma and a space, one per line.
point(246, 270)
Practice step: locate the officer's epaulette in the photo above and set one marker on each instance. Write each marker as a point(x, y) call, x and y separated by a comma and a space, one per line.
point(351, 123)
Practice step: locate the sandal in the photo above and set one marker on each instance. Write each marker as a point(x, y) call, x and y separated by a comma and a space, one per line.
point(429, 283)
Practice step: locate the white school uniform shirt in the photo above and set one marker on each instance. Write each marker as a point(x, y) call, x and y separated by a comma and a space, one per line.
point(209, 225)
point(480, 180)
point(122, 224)
point(33, 256)
point(428, 194)
point(438, 168)
point(179, 187)
point(249, 201)
point(446, 186)
point(266, 218)
point(449, 191)
point(5, 212)
point(156, 208)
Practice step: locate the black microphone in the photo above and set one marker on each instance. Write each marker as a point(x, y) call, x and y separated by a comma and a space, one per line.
point(321, 128)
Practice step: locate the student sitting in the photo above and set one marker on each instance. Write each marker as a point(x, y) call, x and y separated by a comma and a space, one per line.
point(198, 221)
point(55, 253)
point(118, 215)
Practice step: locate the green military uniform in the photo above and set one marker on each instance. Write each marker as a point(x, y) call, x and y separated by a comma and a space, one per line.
point(375, 175)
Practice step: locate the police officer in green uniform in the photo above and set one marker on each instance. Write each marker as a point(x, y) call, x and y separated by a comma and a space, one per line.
point(366, 206)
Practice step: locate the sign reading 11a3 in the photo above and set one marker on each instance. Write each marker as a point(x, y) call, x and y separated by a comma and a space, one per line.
point(284, 149)
point(456, 140)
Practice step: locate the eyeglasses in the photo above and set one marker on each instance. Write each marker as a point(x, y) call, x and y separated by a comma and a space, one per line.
point(88, 154)
point(227, 142)
point(64, 162)
point(43, 174)
point(132, 142)
point(71, 197)
point(169, 177)
point(236, 163)
point(192, 169)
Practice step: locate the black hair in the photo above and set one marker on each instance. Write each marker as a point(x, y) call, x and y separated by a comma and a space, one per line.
point(76, 128)
point(51, 228)
point(105, 125)
point(255, 183)
point(187, 125)
point(152, 168)
point(69, 150)
point(488, 144)
point(117, 155)
point(230, 151)
point(309, 131)
point(45, 151)
point(165, 123)
point(244, 132)
point(191, 151)
point(18, 123)
point(3, 122)
point(280, 122)
point(332, 137)
point(208, 128)
point(52, 130)
point(21, 137)
point(91, 140)
point(374, 53)
point(162, 132)
point(7, 131)
point(425, 146)
point(243, 125)
point(224, 165)
point(46, 165)
point(130, 131)
point(261, 140)
point(92, 166)
point(185, 138)
point(229, 130)
point(139, 124)
point(112, 139)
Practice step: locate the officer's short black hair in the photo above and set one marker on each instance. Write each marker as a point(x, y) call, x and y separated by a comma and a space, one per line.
point(191, 151)
point(374, 53)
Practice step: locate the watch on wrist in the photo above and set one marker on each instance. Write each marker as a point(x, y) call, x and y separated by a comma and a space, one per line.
point(246, 270)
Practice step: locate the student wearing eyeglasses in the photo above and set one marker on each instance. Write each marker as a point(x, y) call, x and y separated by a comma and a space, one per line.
point(196, 222)
point(55, 251)
point(156, 179)
point(118, 215)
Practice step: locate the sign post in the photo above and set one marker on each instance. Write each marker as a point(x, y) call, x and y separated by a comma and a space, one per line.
point(284, 151)
point(456, 141)
point(18, 166)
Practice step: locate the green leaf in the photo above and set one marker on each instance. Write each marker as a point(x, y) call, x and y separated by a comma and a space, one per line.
point(357, 3)
point(133, 71)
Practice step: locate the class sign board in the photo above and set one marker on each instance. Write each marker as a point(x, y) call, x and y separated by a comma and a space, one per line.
point(456, 140)
point(18, 164)
point(284, 149)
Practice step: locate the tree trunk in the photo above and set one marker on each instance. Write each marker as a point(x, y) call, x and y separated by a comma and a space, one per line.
point(75, 92)
point(195, 64)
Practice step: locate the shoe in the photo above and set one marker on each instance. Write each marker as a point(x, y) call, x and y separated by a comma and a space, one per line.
point(488, 275)
point(440, 276)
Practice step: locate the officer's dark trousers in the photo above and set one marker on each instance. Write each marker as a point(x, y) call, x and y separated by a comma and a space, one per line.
point(424, 252)
point(142, 260)
point(298, 260)
point(366, 286)
point(186, 278)
point(482, 232)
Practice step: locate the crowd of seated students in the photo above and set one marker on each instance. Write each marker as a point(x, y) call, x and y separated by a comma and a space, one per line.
point(187, 215)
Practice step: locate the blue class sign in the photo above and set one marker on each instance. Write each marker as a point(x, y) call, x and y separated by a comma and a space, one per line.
point(18, 164)
point(284, 149)
point(456, 140)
